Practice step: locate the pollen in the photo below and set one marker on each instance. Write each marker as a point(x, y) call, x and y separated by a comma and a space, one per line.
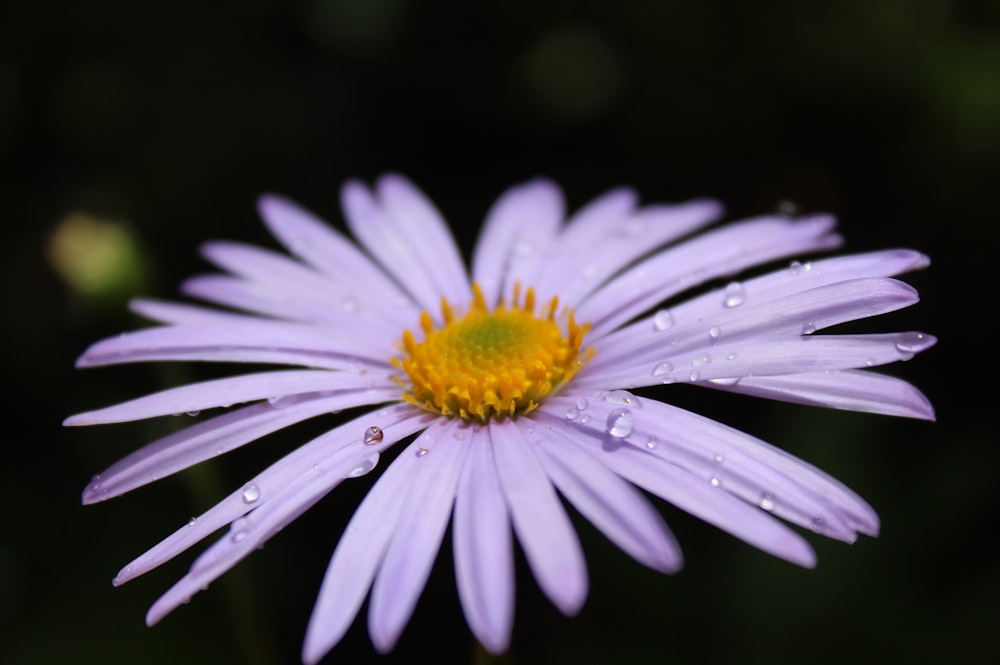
point(491, 364)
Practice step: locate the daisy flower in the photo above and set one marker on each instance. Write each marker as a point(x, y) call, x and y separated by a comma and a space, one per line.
point(507, 386)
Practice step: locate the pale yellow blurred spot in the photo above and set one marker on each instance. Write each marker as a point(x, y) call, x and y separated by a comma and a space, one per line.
point(97, 257)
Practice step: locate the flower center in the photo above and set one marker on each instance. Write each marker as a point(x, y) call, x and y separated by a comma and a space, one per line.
point(491, 364)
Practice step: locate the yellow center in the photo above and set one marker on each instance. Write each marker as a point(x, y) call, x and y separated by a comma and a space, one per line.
point(491, 364)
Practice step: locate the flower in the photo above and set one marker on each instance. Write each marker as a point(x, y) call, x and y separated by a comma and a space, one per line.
point(512, 390)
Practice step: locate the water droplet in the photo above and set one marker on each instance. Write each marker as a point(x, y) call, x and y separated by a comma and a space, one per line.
point(719, 459)
point(808, 328)
point(725, 381)
point(663, 320)
point(572, 414)
point(373, 436)
point(715, 482)
point(735, 295)
point(701, 360)
point(366, 465)
point(693, 376)
point(731, 355)
point(582, 403)
point(422, 451)
point(913, 342)
point(251, 493)
point(620, 424)
point(275, 399)
point(585, 418)
point(817, 524)
point(663, 368)
point(458, 436)
point(652, 443)
point(239, 529)
point(624, 398)
point(714, 332)
point(767, 501)
point(797, 267)
point(668, 379)
point(194, 412)
point(192, 521)
point(870, 362)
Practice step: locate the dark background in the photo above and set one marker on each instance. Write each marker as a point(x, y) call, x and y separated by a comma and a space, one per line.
point(166, 119)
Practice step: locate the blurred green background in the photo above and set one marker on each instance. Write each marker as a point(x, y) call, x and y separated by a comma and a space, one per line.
point(138, 130)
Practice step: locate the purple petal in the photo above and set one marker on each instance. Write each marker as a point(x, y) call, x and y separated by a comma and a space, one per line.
point(322, 247)
point(689, 493)
point(418, 535)
point(575, 269)
point(214, 437)
point(731, 361)
point(249, 533)
point(389, 243)
point(427, 234)
point(311, 459)
point(630, 357)
point(256, 340)
point(331, 307)
point(232, 390)
point(361, 549)
point(722, 457)
point(175, 313)
point(717, 253)
point(852, 390)
point(616, 508)
point(518, 229)
point(542, 526)
point(484, 554)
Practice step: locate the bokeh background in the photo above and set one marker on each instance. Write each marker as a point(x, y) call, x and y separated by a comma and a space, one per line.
point(131, 132)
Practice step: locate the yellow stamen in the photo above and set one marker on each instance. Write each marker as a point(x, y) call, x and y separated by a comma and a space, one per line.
point(491, 364)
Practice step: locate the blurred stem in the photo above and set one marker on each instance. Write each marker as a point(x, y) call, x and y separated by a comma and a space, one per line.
point(243, 607)
point(480, 656)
